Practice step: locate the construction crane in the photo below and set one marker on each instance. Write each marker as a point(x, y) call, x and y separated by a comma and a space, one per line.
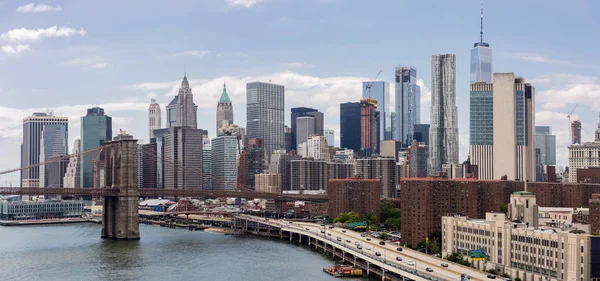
point(570, 126)
point(370, 84)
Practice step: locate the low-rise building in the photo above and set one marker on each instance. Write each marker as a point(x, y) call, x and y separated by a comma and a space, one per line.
point(31, 210)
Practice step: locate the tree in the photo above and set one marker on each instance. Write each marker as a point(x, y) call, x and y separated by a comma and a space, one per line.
point(504, 208)
point(371, 219)
point(392, 223)
point(457, 258)
point(390, 215)
point(348, 217)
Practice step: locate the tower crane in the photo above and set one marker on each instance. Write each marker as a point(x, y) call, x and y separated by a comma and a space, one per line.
point(570, 126)
point(370, 84)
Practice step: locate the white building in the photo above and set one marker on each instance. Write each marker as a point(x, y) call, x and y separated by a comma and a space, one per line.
point(330, 136)
point(317, 148)
point(515, 246)
point(344, 155)
point(72, 175)
point(302, 149)
point(154, 118)
point(584, 155)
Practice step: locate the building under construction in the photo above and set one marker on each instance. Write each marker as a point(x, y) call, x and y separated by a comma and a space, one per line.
point(369, 123)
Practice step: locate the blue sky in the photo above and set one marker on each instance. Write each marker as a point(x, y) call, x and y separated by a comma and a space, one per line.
point(69, 55)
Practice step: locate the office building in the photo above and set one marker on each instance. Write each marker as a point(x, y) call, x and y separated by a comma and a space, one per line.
point(96, 128)
point(390, 148)
point(255, 160)
point(183, 158)
point(308, 174)
point(55, 171)
point(224, 110)
point(304, 112)
point(206, 163)
point(513, 245)
point(443, 131)
point(53, 142)
point(265, 104)
point(421, 133)
point(330, 137)
point(280, 164)
point(267, 182)
point(481, 121)
point(584, 155)
point(305, 127)
point(545, 141)
point(317, 148)
point(376, 167)
point(340, 170)
point(350, 133)
point(380, 91)
point(481, 59)
point(407, 104)
point(418, 157)
point(369, 137)
point(159, 139)
point(288, 135)
point(182, 106)
point(353, 195)
point(514, 128)
point(154, 118)
point(149, 166)
point(575, 132)
point(224, 154)
point(31, 146)
point(72, 178)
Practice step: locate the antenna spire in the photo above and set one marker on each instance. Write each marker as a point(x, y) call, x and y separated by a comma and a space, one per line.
point(481, 28)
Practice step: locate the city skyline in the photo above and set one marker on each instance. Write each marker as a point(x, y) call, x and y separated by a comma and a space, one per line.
point(126, 100)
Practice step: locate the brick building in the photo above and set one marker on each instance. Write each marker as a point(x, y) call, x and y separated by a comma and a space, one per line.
point(353, 194)
point(589, 175)
point(594, 213)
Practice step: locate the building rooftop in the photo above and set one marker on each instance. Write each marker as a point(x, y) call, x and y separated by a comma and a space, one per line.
point(224, 96)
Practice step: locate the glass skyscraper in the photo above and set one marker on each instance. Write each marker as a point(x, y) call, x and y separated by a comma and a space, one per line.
point(380, 91)
point(350, 130)
point(265, 103)
point(407, 104)
point(96, 128)
point(481, 59)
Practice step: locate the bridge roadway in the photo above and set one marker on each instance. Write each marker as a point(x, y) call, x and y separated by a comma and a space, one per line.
point(388, 252)
point(159, 192)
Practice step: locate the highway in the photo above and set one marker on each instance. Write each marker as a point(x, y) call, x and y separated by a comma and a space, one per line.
point(388, 253)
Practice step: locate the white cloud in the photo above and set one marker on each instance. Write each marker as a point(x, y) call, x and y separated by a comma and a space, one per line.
point(38, 8)
point(27, 35)
point(296, 64)
point(243, 3)
point(195, 53)
point(89, 62)
point(563, 91)
point(543, 59)
point(10, 50)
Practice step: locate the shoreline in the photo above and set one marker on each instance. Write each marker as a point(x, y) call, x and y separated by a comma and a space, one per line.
point(220, 230)
point(43, 221)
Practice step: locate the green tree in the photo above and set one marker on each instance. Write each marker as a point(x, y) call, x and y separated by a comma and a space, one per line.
point(457, 258)
point(504, 208)
point(371, 219)
point(348, 217)
point(392, 223)
point(389, 215)
point(517, 279)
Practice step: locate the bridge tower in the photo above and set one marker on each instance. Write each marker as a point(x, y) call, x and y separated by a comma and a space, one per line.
point(120, 219)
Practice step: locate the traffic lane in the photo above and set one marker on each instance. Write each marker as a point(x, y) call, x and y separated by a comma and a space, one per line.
point(427, 261)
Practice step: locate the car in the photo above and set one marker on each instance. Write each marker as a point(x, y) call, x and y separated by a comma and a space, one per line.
point(348, 241)
point(331, 227)
point(444, 265)
point(368, 248)
point(465, 276)
point(378, 254)
point(363, 235)
point(339, 238)
point(429, 269)
point(322, 231)
point(491, 276)
point(381, 243)
point(343, 231)
point(410, 262)
point(368, 239)
point(506, 279)
point(358, 247)
point(307, 228)
point(399, 249)
point(328, 234)
point(398, 258)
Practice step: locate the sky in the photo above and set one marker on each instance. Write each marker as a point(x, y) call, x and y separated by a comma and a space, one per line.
point(67, 56)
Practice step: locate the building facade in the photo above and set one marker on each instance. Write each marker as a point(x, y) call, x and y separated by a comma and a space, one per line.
point(422, 133)
point(545, 141)
point(418, 157)
point(308, 174)
point(49, 209)
point(265, 104)
point(224, 153)
point(224, 110)
point(575, 132)
point(381, 168)
point(183, 158)
point(149, 166)
point(369, 136)
point(481, 59)
point(53, 143)
point(182, 111)
point(481, 136)
point(154, 118)
point(270, 183)
point(443, 131)
point(407, 104)
point(317, 148)
point(353, 195)
point(280, 164)
point(31, 147)
point(206, 163)
point(340, 170)
point(72, 177)
point(380, 91)
point(255, 158)
point(350, 133)
point(304, 112)
point(96, 128)
point(305, 127)
point(330, 136)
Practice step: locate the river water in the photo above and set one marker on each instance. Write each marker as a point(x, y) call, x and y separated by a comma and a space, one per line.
point(76, 252)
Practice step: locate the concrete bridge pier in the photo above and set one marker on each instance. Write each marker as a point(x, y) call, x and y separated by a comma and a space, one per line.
point(120, 219)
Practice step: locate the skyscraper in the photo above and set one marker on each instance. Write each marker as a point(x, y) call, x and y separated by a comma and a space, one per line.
point(545, 141)
point(481, 59)
point(33, 127)
point(330, 136)
point(255, 160)
point(380, 91)
point(154, 118)
point(265, 103)
point(422, 133)
point(224, 154)
point(382, 168)
point(305, 111)
point(443, 131)
point(182, 160)
point(305, 127)
point(206, 164)
point(53, 143)
point(72, 177)
point(350, 132)
point(408, 104)
point(481, 122)
point(514, 128)
point(576, 132)
point(224, 110)
point(182, 107)
point(369, 138)
point(96, 128)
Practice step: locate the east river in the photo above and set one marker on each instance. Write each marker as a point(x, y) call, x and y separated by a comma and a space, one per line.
point(76, 252)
